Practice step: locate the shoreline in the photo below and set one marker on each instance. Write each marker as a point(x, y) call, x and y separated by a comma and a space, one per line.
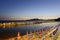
point(9, 24)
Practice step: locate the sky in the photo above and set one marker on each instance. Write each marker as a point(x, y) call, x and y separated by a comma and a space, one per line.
point(44, 9)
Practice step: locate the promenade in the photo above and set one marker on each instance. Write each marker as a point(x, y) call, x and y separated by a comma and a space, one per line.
point(58, 38)
point(57, 35)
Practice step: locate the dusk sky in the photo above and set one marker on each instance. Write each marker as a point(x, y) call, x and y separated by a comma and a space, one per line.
point(45, 9)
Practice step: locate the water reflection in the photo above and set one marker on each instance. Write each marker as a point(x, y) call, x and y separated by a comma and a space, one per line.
point(12, 31)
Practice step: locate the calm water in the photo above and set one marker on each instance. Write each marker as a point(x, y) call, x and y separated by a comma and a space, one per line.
point(12, 31)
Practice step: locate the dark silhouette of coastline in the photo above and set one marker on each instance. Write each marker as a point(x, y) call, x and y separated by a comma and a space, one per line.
point(35, 19)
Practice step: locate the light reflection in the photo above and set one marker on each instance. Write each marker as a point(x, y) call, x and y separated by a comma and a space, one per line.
point(37, 35)
point(10, 24)
point(18, 36)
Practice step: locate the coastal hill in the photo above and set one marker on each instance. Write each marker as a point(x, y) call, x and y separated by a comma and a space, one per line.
point(35, 19)
point(57, 19)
